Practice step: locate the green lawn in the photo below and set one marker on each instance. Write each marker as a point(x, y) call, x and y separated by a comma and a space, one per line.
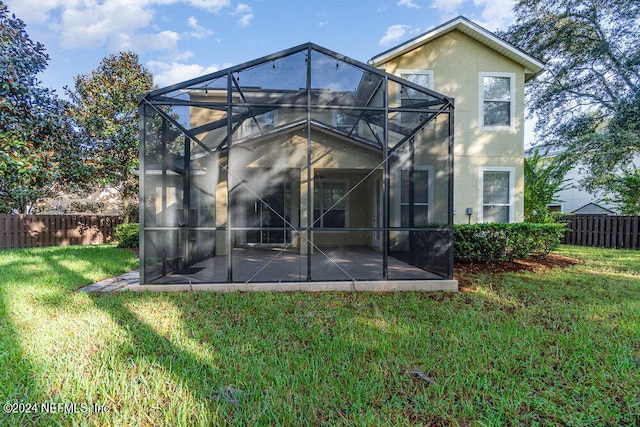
point(560, 347)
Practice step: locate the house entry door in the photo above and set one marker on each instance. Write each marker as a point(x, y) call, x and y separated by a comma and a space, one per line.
point(272, 210)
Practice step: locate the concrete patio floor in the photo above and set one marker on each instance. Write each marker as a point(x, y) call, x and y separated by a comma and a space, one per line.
point(264, 269)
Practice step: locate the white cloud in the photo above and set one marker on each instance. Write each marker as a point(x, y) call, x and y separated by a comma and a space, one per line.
point(198, 32)
point(408, 3)
point(96, 23)
point(246, 14)
point(245, 20)
point(394, 33)
point(447, 7)
point(165, 40)
point(497, 14)
point(243, 8)
point(211, 5)
point(33, 11)
point(165, 73)
point(91, 25)
point(323, 19)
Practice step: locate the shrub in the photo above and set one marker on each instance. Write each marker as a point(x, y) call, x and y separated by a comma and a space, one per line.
point(498, 242)
point(128, 235)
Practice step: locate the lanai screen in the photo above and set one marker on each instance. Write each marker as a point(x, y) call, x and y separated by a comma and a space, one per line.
point(300, 166)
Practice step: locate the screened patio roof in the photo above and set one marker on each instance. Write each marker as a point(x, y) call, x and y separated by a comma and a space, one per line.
point(305, 77)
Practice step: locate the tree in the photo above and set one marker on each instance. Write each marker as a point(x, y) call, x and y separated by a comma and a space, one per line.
point(39, 150)
point(543, 179)
point(624, 192)
point(106, 107)
point(587, 102)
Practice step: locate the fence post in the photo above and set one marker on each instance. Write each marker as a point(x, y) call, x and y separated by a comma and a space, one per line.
point(3, 231)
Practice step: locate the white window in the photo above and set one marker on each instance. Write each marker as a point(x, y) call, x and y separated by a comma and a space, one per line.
point(346, 122)
point(422, 196)
point(497, 101)
point(408, 97)
point(329, 204)
point(496, 194)
point(259, 124)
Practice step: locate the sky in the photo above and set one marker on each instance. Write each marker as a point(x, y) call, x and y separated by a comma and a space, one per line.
point(181, 39)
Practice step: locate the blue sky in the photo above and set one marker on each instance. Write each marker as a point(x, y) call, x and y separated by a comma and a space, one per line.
point(181, 39)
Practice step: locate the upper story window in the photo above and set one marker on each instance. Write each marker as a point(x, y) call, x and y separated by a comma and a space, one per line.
point(497, 101)
point(408, 96)
point(345, 122)
point(259, 124)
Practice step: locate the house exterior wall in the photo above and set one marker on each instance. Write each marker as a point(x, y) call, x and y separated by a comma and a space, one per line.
point(341, 159)
point(338, 159)
point(457, 61)
point(105, 202)
point(575, 196)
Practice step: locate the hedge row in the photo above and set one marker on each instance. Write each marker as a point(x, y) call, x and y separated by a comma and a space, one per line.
point(500, 242)
point(478, 242)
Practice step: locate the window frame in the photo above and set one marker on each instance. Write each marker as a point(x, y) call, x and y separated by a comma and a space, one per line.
point(559, 206)
point(398, 187)
point(512, 190)
point(399, 72)
point(512, 100)
point(248, 125)
point(322, 181)
point(343, 129)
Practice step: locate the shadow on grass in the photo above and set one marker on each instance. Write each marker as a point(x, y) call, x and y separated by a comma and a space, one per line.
point(60, 271)
point(19, 381)
point(363, 357)
point(36, 280)
point(199, 378)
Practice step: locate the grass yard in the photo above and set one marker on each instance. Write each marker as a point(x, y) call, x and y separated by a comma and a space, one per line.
point(544, 347)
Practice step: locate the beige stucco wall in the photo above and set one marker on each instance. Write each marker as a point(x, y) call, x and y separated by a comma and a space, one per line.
point(338, 158)
point(456, 61)
point(328, 154)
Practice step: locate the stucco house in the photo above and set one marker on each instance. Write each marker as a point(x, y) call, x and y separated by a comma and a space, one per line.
point(306, 169)
point(486, 77)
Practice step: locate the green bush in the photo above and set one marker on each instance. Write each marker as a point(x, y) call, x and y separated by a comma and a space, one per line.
point(127, 235)
point(499, 242)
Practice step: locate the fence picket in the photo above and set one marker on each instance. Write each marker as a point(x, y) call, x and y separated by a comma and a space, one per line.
point(609, 231)
point(27, 231)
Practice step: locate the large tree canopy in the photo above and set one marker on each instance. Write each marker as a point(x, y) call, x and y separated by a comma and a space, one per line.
point(106, 107)
point(39, 151)
point(587, 102)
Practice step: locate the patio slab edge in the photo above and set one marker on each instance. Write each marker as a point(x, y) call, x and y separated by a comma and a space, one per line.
point(363, 286)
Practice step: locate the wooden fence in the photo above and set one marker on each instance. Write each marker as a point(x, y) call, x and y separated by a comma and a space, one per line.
point(603, 231)
point(28, 231)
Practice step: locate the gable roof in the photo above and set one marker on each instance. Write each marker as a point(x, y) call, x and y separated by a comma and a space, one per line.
point(593, 209)
point(533, 66)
